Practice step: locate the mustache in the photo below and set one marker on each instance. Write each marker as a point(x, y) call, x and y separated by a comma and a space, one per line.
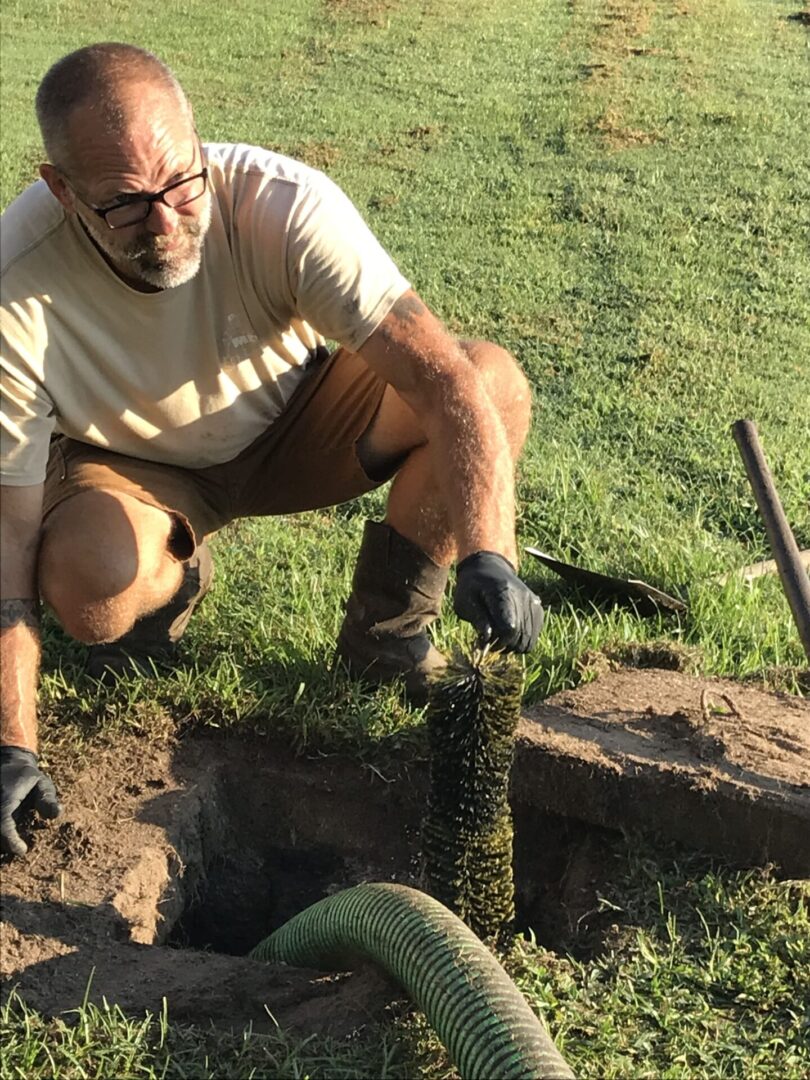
point(149, 245)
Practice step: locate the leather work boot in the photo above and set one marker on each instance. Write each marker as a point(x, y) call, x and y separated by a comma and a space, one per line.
point(397, 592)
point(153, 639)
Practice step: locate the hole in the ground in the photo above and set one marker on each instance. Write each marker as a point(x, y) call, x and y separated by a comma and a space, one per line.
point(249, 892)
point(562, 868)
point(284, 841)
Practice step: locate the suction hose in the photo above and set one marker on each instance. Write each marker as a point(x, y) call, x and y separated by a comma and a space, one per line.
point(476, 1010)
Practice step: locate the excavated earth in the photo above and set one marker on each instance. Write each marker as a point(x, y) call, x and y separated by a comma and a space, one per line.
point(169, 864)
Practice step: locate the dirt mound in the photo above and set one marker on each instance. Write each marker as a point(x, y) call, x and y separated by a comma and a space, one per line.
point(710, 762)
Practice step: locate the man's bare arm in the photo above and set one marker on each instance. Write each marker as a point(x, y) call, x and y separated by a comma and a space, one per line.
point(413, 352)
point(20, 524)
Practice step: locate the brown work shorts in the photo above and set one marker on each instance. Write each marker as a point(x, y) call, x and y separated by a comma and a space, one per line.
point(306, 459)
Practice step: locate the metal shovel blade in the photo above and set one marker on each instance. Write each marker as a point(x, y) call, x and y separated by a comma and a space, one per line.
point(638, 592)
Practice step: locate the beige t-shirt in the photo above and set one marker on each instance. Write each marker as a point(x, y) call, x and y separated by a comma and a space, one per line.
point(190, 375)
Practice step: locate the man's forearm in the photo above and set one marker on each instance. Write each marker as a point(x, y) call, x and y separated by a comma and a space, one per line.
point(473, 462)
point(19, 664)
point(479, 485)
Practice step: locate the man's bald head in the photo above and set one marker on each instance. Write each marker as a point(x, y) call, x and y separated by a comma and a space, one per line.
point(109, 80)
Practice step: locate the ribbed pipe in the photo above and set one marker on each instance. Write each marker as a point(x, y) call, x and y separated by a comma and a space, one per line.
point(476, 1010)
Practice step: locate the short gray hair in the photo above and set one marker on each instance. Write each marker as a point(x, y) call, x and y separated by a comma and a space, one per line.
point(96, 74)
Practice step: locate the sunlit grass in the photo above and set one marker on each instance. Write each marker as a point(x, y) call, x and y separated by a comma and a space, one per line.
point(618, 192)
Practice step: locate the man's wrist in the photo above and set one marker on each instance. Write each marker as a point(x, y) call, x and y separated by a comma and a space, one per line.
point(9, 753)
point(20, 735)
point(476, 556)
point(19, 611)
point(19, 621)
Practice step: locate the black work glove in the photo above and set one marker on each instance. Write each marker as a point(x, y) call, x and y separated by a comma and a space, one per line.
point(501, 607)
point(21, 782)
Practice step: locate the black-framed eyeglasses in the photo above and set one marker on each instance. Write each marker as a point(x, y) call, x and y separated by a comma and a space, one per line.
point(133, 209)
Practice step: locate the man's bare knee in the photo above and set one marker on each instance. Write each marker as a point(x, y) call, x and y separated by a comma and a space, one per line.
point(506, 385)
point(104, 562)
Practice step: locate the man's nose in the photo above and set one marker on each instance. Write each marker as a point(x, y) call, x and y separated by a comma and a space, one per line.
point(162, 220)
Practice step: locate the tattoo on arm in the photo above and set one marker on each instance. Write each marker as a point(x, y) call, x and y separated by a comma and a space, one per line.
point(19, 613)
point(408, 308)
point(403, 318)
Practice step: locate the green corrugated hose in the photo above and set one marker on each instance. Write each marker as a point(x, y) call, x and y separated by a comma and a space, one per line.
point(476, 1010)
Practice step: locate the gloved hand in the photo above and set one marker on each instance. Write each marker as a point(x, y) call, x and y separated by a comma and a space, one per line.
point(22, 782)
point(500, 606)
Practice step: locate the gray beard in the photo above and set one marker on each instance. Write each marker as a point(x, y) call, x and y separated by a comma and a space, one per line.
point(144, 261)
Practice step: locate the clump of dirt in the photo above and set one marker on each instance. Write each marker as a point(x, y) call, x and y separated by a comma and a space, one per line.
point(712, 763)
point(664, 655)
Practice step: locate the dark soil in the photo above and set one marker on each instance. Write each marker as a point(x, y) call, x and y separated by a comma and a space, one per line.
point(169, 864)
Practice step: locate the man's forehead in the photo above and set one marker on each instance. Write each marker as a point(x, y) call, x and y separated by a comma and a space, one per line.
point(152, 140)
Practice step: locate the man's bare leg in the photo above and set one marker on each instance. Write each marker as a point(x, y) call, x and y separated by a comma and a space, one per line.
point(104, 563)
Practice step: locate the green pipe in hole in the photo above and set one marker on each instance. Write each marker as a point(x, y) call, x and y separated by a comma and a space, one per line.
point(476, 1010)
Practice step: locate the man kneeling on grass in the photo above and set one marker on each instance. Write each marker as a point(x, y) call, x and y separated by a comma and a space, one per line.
point(164, 371)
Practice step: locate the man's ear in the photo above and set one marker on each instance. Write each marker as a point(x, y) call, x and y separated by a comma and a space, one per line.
point(58, 187)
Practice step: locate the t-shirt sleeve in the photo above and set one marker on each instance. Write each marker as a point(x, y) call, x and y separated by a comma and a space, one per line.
point(342, 281)
point(26, 412)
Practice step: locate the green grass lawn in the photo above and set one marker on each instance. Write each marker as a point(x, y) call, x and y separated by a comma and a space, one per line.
point(619, 192)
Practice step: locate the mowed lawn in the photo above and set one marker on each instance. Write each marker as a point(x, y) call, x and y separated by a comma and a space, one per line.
point(619, 192)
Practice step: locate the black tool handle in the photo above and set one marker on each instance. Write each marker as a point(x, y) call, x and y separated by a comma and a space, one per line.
point(792, 574)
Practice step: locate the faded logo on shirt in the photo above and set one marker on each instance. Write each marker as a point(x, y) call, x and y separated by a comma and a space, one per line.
point(238, 342)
